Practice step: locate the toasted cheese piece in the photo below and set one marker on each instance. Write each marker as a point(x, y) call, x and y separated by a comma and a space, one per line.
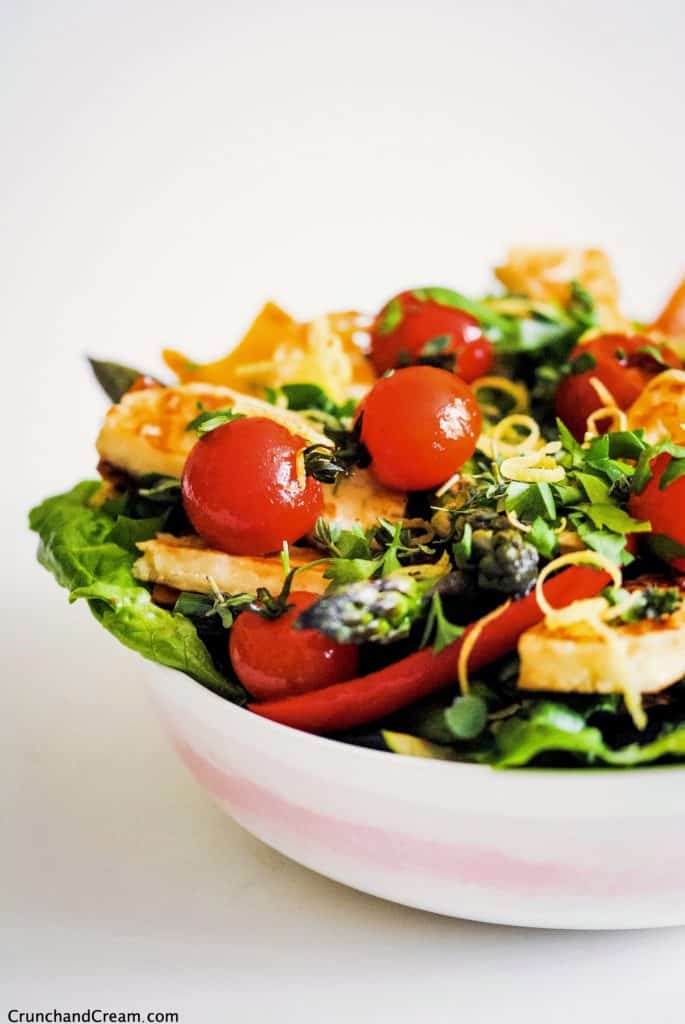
point(644, 657)
point(146, 431)
point(360, 499)
point(186, 563)
point(660, 409)
point(545, 274)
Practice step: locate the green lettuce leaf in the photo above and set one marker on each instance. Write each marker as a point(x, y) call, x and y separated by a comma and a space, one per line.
point(91, 556)
point(557, 728)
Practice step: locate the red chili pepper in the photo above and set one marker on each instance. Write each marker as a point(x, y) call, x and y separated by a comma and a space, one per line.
point(368, 698)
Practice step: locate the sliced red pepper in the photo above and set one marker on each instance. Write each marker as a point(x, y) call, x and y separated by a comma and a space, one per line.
point(368, 698)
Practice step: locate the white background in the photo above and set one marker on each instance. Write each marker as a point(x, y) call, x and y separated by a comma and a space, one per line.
point(165, 167)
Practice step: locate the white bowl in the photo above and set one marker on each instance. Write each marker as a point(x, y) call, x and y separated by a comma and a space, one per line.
point(553, 849)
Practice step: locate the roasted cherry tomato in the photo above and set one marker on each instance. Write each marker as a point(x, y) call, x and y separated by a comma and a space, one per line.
point(663, 507)
point(623, 363)
point(420, 426)
point(426, 326)
point(241, 490)
point(272, 659)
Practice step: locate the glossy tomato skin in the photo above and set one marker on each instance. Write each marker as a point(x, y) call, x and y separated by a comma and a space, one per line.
point(272, 659)
point(406, 323)
point(622, 365)
point(240, 488)
point(420, 426)
point(663, 508)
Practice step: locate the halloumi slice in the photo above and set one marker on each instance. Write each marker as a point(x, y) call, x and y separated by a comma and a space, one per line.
point(186, 563)
point(360, 499)
point(146, 431)
point(644, 657)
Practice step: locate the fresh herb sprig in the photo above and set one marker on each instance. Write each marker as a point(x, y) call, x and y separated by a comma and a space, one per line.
point(208, 420)
point(650, 603)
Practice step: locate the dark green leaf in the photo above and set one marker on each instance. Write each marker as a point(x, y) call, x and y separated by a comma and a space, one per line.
point(582, 363)
point(543, 537)
point(390, 317)
point(611, 517)
point(666, 548)
point(528, 501)
point(350, 570)
point(643, 471)
point(461, 549)
point(674, 470)
point(75, 546)
point(582, 306)
point(569, 442)
point(436, 346)
point(128, 532)
point(481, 310)
point(611, 545)
point(439, 627)
point(626, 444)
point(595, 488)
point(467, 717)
point(555, 728)
point(206, 421)
point(162, 490)
point(114, 379)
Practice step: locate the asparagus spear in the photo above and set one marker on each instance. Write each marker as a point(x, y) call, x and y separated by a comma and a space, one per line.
point(377, 611)
point(488, 544)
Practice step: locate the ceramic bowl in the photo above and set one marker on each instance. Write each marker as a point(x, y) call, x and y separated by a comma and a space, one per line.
point(553, 849)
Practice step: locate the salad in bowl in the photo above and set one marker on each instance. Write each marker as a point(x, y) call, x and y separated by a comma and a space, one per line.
point(453, 530)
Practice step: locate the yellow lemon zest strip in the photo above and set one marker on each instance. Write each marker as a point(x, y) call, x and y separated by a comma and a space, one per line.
point(448, 485)
point(603, 392)
point(519, 392)
point(517, 524)
point(586, 557)
point(536, 467)
point(617, 417)
point(469, 643)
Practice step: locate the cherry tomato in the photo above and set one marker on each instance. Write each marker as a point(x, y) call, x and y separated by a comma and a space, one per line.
point(241, 490)
point(623, 363)
point(425, 325)
point(272, 659)
point(663, 508)
point(420, 426)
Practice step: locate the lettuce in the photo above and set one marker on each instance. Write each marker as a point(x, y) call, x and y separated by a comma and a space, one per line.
point(551, 727)
point(91, 553)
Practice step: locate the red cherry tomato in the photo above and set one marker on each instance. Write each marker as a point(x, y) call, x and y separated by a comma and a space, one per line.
point(623, 364)
point(410, 321)
point(272, 659)
point(241, 491)
point(420, 426)
point(663, 508)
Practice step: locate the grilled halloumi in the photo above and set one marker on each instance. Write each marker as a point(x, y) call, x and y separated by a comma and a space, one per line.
point(186, 563)
point(644, 657)
point(360, 499)
point(660, 409)
point(146, 431)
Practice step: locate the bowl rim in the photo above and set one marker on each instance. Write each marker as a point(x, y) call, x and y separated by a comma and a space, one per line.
point(593, 781)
